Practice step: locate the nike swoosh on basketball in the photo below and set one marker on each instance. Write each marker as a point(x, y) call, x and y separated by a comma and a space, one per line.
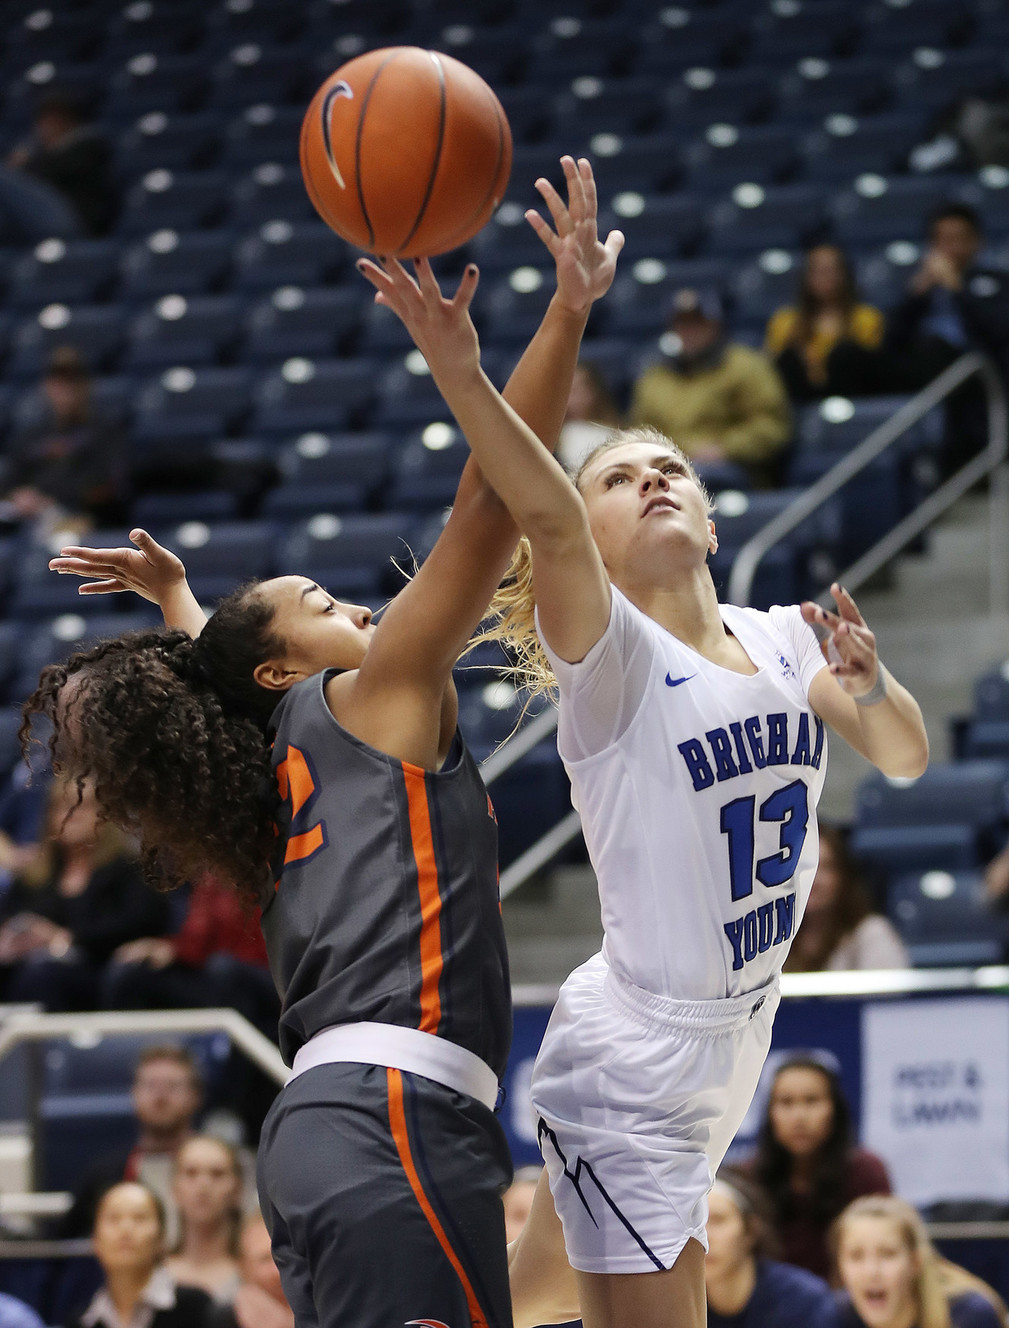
point(675, 682)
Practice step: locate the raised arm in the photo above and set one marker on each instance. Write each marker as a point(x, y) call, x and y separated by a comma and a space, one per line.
point(859, 698)
point(427, 625)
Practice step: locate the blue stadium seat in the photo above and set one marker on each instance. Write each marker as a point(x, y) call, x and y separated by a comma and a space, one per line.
point(962, 807)
point(220, 555)
point(190, 403)
point(529, 113)
point(704, 96)
point(614, 105)
point(944, 918)
point(285, 253)
point(648, 162)
point(984, 738)
point(50, 34)
point(408, 396)
point(162, 141)
point(695, 37)
point(883, 274)
point(163, 509)
point(96, 330)
point(780, 35)
point(506, 242)
point(640, 301)
point(574, 47)
point(151, 81)
point(514, 305)
point(167, 263)
point(271, 191)
point(293, 321)
point(252, 73)
point(180, 200)
point(847, 146)
point(892, 29)
point(306, 394)
point(761, 287)
point(382, 333)
point(728, 154)
point(350, 555)
point(880, 208)
point(195, 330)
point(756, 217)
point(252, 20)
point(154, 25)
point(49, 642)
point(991, 694)
point(262, 132)
point(787, 573)
point(934, 81)
point(655, 225)
point(64, 272)
point(427, 469)
point(816, 88)
point(330, 473)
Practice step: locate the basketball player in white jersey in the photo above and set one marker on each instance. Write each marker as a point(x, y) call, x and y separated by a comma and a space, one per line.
point(694, 736)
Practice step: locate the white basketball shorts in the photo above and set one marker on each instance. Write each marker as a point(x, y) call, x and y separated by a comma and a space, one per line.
point(638, 1098)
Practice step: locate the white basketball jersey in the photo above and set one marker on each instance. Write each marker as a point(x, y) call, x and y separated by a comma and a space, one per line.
point(697, 789)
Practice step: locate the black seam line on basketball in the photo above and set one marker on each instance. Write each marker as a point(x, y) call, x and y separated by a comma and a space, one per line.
point(357, 148)
point(317, 200)
point(483, 202)
point(437, 152)
point(575, 1178)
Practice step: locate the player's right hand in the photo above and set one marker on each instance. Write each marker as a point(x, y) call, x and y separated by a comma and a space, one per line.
point(149, 569)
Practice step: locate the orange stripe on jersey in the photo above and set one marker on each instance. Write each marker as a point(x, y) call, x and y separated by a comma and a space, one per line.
point(430, 898)
point(397, 1122)
point(295, 779)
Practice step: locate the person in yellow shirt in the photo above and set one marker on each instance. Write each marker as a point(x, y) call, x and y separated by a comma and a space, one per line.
point(717, 400)
point(827, 343)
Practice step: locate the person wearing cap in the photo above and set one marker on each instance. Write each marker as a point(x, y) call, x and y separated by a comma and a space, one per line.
point(69, 469)
point(744, 1285)
point(719, 401)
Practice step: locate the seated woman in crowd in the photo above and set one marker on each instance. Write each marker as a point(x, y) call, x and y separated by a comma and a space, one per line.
point(80, 897)
point(128, 1238)
point(827, 343)
point(745, 1287)
point(839, 929)
point(806, 1161)
point(892, 1276)
point(259, 1301)
point(207, 1188)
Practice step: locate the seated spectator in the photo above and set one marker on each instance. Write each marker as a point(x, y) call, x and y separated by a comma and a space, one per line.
point(15, 1313)
point(60, 181)
point(590, 415)
point(839, 929)
point(259, 1301)
point(80, 897)
point(719, 401)
point(892, 1276)
point(806, 1162)
point(167, 1096)
point(69, 471)
point(207, 1189)
point(952, 305)
point(746, 1288)
point(826, 344)
point(128, 1236)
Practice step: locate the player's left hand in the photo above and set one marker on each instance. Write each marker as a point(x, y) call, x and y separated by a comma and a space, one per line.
point(848, 646)
point(585, 265)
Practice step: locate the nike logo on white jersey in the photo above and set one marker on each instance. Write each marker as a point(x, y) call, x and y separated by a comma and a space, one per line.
point(675, 682)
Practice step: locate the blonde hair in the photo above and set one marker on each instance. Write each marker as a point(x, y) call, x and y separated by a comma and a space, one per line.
point(512, 610)
point(937, 1280)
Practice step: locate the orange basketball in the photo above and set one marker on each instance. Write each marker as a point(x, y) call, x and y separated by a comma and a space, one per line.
point(405, 152)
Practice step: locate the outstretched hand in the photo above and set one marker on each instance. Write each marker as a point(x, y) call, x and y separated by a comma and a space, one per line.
point(847, 644)
point(441, 328)
point(149, 569)
point(585, 265)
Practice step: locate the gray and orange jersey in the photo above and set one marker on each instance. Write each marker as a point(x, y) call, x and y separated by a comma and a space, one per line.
point(385, 903)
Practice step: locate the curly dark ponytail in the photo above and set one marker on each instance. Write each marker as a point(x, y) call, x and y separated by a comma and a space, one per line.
point(172, 732)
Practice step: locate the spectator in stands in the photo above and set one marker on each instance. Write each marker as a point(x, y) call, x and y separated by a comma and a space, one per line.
point(138, 1290)
point(839, 929)
point(518, 1200)
point(69, 470)
point(259, 1301)
point(167, 1097)
point(806, 1162)
point(827, 343)
point(80, 896)
point(15, 1313)
point(746, 1287)
point(591, 414)
point(60, 181)
point(952, 305)
point(207, 1189)
point(893, 1278)
point(719, 401)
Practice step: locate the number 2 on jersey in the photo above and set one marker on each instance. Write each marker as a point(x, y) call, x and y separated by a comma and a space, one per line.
point(787, 805)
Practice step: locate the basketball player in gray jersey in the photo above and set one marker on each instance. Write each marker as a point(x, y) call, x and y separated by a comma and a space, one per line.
point(311, 757)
